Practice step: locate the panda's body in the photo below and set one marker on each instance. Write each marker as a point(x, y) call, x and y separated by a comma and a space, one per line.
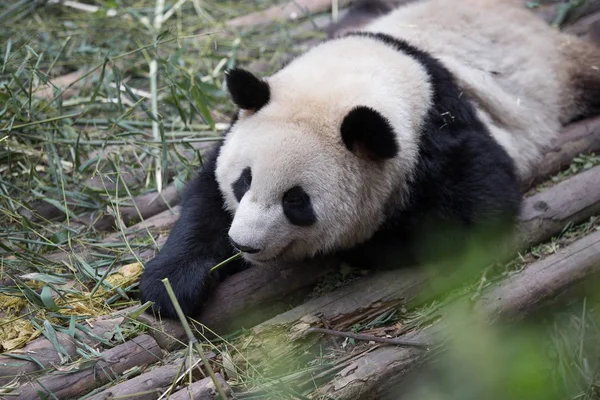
point(429, 117)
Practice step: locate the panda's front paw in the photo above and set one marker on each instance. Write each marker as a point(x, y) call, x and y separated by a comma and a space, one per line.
point(161, 302)
point(189, 292)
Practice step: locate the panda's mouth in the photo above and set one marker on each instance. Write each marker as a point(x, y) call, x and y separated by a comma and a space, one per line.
point(279, 255)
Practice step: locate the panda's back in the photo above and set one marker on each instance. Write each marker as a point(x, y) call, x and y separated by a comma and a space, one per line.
point(507, 61)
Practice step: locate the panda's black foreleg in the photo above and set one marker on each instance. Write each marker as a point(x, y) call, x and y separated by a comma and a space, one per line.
point(197, 243)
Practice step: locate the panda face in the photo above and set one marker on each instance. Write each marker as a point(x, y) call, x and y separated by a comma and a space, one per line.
point(296, 189)
point(320, 150)
point(273, 185)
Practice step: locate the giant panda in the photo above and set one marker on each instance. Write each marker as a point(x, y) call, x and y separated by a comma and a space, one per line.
point(425, 120)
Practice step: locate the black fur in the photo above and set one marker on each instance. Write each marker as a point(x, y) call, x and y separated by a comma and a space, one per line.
point(242, 185)
point(366, 131)
point(297, 207)
point(198, 242)
point(587, 89)
point(247, 91)
point(463, 179)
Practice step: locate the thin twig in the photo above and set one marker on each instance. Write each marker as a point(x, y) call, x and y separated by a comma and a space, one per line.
point(369, 338)
point(192, 339)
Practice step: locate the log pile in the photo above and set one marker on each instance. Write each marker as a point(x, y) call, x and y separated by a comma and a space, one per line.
point(142, 350)
point(373, 374)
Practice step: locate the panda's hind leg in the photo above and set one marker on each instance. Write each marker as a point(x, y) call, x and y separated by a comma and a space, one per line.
point(583, 85)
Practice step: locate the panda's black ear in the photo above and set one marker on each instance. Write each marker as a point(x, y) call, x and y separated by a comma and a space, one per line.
point(368, 133)
point(247, 91)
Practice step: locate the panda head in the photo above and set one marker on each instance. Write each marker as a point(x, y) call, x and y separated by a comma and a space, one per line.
point(305, 170)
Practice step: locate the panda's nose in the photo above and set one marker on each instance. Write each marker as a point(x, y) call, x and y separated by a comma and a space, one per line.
point(244, 249)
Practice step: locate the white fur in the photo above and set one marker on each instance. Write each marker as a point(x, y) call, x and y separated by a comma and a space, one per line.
point(498, 54)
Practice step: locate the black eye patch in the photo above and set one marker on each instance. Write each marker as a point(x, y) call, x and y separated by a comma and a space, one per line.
point(297, 207)
point(242, 185)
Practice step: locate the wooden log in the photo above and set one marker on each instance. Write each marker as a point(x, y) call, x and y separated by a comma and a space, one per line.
point(581, 137)
point(145, 229)
point(258, 293)
point(153, 383)
point(525, 292)
point(45, 354)
point(144, 206)
point(147, 386)
point(286, 11)
point(112, 363)
point(40, 349)
point(374, 373)
point(571, 201)
point(201, 390)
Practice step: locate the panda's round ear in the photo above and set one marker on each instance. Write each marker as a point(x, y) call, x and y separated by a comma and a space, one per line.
point(367, 133)
point(247, 91)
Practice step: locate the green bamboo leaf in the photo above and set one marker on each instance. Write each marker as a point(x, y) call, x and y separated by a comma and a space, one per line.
point(29, 293)
point(100, 81)
point(46, 297)
point(178, 104)
point(136, 99)
point(71, 330)
point(45, 278)
point(50, 333)
point(140, 310)
point(202, 105)
point(26, 358)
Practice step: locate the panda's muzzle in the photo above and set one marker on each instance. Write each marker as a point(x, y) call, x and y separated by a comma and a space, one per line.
point(243, 249)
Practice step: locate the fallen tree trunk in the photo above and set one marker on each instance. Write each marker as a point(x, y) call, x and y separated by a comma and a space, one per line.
point(41, 353)
point(375, 373)
point(112, 363)
point(258, 293)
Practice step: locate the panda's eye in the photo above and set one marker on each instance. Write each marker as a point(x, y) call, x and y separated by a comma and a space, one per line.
point(297, 207)
point(242, 185)
point(295, 196)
